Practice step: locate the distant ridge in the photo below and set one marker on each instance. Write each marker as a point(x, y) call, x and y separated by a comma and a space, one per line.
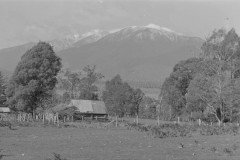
point(137, 53)
point(145, 53)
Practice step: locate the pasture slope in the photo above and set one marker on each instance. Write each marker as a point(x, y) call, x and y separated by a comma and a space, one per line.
point(38, 143)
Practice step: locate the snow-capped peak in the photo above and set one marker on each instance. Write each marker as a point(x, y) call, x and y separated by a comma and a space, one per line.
point(154, 26)
point(153, 32)
point(71, 39)
point(76, 36)
point(162, 30)
point(94, 32)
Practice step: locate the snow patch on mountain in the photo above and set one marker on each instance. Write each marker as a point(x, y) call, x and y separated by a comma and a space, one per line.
point(150, 31)
point(95, 32)
point(170, 34)
point(153, 26)
point(70, 40)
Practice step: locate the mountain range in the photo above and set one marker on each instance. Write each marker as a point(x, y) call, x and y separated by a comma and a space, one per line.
point(140, 53)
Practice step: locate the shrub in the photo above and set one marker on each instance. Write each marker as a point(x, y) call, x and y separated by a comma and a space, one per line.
point(56, 157)
point(213, 149)
point(5, 124)
point(162, 131)
point(228, 151)
point(219, 130)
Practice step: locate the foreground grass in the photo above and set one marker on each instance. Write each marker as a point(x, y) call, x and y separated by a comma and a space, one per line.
point(39, 143)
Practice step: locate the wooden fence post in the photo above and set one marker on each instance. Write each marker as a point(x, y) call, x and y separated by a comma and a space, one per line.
point(24, 117)
point(57, 119)
point(20, 117)
point(116, 121)
point(43, 119)
point(137, 119)
point(54, 118)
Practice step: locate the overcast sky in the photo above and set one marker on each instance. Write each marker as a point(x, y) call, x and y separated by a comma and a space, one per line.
point(24, 21)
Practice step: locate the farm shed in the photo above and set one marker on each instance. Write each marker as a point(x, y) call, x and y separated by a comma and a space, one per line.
point(89, 108)
point(4, 110)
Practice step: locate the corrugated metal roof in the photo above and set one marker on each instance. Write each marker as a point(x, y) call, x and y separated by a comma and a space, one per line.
point(83, 106)
point(87, 106)
point(99, 107)
point(4, 110)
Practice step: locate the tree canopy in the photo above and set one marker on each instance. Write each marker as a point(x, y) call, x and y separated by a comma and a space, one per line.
point(2, 91)
point(208, 84)
point(80, 85)
point(175, 86)
point(34, 78)
point(88, 89)
point(218, 90)
point(120, 98)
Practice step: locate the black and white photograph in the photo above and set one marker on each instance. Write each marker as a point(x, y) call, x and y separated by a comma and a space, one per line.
point(119, 79)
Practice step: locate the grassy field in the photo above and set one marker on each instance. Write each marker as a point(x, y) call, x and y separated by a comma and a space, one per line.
point(38, 143)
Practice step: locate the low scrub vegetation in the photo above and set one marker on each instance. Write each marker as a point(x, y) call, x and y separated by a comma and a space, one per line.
point(56, 157)
point(14, 124)
point(5, 124)
point(176, 130)
point(83, 124)
point(219, 130)
point(164, 130)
